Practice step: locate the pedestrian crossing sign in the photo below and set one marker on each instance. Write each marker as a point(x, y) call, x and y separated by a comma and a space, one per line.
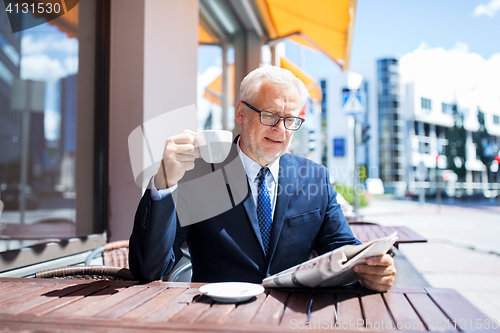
point(353, 102)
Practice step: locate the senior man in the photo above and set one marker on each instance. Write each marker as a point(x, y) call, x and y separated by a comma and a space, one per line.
point(279, 223)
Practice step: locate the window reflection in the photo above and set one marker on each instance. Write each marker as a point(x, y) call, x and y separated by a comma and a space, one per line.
point(38, 108)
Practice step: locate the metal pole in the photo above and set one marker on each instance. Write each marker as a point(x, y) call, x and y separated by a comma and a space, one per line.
point(225, 88)
point(355, 140)
point(24, 162)
point(421, 195)
point(438, 188)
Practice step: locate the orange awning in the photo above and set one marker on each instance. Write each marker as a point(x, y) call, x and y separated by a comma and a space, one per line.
point(213, 92)
point(205, 37)
point(324, 25)
point(312, 87)
point(68, 22)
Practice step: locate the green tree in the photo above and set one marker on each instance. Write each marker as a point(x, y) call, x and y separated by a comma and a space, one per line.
point(455, 151)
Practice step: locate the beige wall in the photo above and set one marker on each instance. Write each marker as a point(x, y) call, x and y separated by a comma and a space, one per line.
point(152, 70)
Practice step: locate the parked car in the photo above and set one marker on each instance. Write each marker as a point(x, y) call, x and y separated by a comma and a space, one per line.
point(9, 194)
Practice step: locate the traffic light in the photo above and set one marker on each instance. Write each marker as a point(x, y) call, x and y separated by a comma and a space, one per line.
point(365, 137)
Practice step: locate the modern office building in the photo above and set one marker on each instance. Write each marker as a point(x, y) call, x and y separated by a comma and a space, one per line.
point(10, 121)
point(407, 131)
point(67, 139)
point(428, 115)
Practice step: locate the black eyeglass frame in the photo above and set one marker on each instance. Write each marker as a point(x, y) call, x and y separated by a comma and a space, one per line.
point(279, 117)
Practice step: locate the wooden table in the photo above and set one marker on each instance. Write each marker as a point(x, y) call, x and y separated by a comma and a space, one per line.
point(367, 231)
point(118, 306)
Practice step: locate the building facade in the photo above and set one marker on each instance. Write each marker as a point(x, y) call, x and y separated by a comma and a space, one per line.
point(407, 125)
point(10, 121)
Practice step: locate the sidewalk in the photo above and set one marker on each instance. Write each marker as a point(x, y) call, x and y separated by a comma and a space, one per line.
point(463, 251)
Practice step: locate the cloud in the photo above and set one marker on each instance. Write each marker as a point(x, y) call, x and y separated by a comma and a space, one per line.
point(458, 69)
point(488, 9)
point(48, 42)
point(41, 68)
point(52, 121)
point(71, 65)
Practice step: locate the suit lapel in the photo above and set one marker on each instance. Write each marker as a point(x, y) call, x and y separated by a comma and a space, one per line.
point(285, 188)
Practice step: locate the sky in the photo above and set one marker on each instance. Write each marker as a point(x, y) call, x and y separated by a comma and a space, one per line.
point(49, 55)
point(395, 28)
point(457, 42)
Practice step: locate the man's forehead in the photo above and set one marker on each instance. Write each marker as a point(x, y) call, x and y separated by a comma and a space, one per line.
point(272, 95)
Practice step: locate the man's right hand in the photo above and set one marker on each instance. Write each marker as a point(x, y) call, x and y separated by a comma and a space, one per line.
point(178, 157)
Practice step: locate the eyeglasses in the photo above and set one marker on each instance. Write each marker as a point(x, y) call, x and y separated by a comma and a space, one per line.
point(269, 118)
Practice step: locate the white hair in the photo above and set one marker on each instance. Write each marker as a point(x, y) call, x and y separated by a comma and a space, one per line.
point(252, 82)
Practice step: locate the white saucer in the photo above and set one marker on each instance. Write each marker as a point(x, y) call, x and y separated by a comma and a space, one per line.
point(231, 292)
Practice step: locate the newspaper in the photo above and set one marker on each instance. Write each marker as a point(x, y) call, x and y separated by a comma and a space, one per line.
point(334, 268)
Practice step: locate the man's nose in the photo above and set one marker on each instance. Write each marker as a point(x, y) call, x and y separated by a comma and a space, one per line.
point(280, 126)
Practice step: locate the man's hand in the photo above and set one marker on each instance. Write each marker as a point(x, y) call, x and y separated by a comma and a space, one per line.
point(178, 157)
point(378, 273)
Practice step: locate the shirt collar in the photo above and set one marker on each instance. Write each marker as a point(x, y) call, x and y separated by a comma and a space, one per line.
point(252, 168)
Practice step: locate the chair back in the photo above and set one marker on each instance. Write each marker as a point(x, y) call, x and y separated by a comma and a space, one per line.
point(116, 254)
point(86, 272)
point(113, 254)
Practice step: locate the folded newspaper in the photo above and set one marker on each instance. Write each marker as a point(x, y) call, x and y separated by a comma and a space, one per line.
point(334, 268)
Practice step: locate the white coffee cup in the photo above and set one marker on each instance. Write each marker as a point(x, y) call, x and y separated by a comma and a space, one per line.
point(214, 145)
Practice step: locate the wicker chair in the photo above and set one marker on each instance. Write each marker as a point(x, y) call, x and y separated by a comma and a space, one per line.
point(113, 254)
point(116, 254)
point(86, 272)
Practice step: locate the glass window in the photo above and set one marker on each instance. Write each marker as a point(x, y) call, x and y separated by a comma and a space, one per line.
point(426, 103)
point(496, 120)
point(39, 107)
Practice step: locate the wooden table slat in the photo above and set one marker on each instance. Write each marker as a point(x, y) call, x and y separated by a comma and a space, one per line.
point(376, 313)
point(7, 285)
point(129, 304)
point(59, 302)
point(216, 314)
point(271, 311)
point(25, 299)
point(402, 312)
point(171, 308)
point(368, 232)
point(245, 312)
point(41, 297)
point(107, 303)
point(429, 312)
point(410, 234)
point(459, 309)
point(349, 309)
point(88, 301)
point(323, 307)
point(17, 290)
point(150, 306)
point(193, 311)
point(297, 308)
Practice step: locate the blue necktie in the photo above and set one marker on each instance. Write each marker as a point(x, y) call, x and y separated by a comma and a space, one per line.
point(264, 209)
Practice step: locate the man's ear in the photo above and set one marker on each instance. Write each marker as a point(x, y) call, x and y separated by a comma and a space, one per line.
point(240, 107)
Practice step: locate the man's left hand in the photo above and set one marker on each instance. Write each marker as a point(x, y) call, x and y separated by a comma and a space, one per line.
point(378, 273)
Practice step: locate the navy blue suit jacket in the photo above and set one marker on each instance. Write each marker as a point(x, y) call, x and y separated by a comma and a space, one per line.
point(228, 247)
